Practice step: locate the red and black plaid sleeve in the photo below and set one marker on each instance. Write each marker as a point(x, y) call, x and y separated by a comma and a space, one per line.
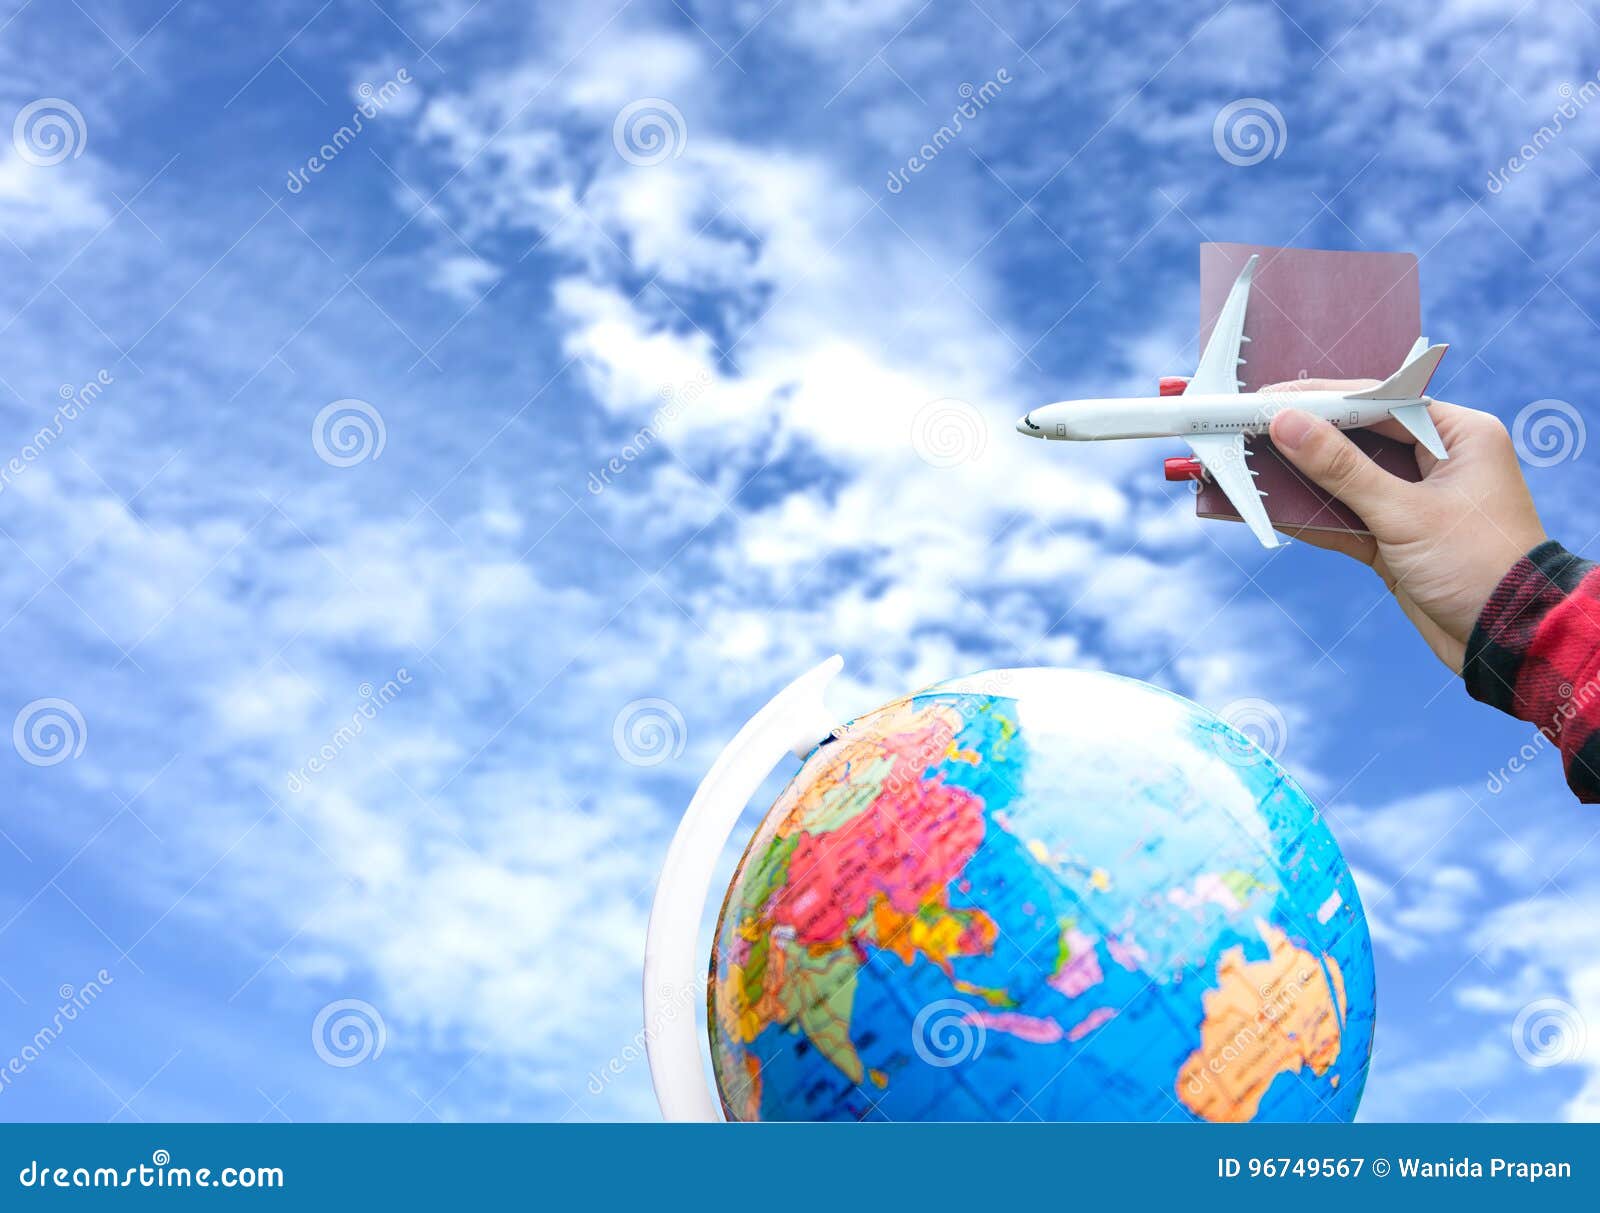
point(1535, 653)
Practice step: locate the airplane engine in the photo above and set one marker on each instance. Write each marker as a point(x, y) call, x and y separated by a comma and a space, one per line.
point(1182, 467)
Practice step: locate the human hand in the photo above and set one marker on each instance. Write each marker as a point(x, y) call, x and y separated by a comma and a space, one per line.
point(1442, 544)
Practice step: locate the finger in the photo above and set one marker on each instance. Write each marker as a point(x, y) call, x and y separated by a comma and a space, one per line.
point(1339, 466)
point(1390, 428)
point(1458, 423)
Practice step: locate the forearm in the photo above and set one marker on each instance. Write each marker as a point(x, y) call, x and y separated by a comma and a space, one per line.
point(1535, 653)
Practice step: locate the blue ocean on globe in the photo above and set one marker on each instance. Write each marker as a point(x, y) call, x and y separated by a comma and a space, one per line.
point(1049, 894)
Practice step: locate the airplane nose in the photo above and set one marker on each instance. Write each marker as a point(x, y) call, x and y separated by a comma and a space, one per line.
point(1026, 426)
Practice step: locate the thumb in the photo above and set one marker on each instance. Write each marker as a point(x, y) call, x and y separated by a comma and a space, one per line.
point(1340, 467)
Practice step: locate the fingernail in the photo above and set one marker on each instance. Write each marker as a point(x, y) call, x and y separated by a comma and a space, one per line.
point(1290, 428)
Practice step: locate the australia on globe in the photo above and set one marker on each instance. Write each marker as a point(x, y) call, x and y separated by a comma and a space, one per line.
point(1046, 894)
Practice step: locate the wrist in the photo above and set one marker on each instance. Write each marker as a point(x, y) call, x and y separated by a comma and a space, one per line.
point(1509, 618)
point(1495, 565)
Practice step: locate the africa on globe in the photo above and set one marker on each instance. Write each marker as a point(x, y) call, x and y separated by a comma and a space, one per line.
point(1045, 894)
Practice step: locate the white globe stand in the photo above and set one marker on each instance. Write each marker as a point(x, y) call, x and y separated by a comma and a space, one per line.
point(792, 723)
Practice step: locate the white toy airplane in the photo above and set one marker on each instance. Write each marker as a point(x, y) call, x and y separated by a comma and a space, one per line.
point(1214, 417)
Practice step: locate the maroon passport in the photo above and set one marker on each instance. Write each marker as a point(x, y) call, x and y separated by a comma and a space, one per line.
point(1313, 314)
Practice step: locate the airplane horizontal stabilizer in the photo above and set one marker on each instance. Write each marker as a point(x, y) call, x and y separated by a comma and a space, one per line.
point(1416, 419)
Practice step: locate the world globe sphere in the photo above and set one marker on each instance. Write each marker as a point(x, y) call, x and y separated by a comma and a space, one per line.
point(1041, 894)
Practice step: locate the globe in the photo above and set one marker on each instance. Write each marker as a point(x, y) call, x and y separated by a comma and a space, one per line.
point(1047, 894)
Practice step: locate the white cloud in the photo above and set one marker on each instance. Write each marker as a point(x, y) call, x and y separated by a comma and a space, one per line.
point(481, 857)
point(1554, 930)
point(465, 277)
point(41, 202)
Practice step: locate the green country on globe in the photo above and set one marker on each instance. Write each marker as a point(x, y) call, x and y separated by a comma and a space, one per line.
point(1041, 894)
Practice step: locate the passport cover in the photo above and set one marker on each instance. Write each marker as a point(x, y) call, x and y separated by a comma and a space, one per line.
point(1313, 314)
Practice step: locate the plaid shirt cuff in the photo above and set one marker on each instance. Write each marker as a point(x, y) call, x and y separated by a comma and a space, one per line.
point(1535, 654)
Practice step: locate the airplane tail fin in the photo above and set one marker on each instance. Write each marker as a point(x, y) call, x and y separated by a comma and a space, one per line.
point(1410, 382)
point(1406, 388)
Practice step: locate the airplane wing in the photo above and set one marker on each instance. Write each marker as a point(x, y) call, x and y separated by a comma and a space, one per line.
point(1223, 455)
point(1219, 364)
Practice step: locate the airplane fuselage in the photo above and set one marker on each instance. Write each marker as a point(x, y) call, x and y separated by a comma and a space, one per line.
point(1188, 415)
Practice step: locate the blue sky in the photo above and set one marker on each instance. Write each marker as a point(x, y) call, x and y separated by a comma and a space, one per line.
point(213, 570)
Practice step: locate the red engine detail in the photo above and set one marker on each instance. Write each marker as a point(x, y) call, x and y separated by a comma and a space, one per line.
point(1182, 467)
point(1173, 385)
